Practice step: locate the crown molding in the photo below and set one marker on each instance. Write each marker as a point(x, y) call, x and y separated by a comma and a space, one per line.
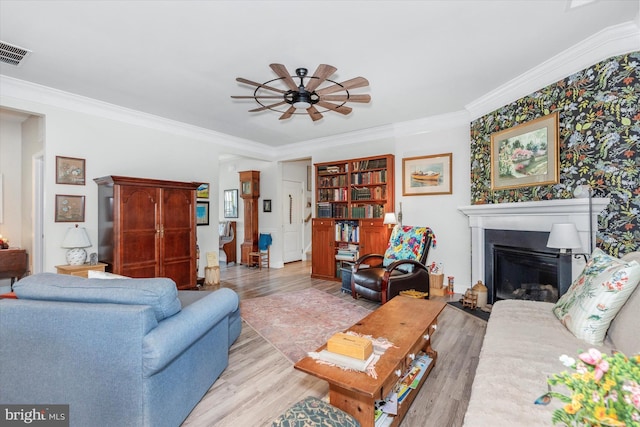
point(611, 41)
point(24, 90)
point(391, 131)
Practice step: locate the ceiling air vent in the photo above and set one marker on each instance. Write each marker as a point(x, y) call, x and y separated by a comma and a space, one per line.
point(11, 54)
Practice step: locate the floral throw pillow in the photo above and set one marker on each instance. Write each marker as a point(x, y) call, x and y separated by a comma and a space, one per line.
point(596, 296)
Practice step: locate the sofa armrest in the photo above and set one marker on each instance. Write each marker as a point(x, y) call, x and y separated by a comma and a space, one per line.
point(175, 334)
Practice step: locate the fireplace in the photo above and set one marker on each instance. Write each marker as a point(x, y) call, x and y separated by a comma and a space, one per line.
point(518, 265)
point(535, 216)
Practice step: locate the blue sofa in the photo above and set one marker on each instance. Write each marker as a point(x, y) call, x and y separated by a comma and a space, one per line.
point(122, 352)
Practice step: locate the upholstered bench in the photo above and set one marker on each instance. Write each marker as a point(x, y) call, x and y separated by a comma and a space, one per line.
point(312, 411)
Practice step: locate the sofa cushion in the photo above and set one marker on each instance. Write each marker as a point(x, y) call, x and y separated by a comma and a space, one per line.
point(95, 274)
point(160, 293)
point(596, 296)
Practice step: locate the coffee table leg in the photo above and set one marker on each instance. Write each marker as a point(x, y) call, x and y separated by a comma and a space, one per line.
point(359, 406)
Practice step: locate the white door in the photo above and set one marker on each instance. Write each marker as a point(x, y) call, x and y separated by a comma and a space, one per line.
point(292, 192)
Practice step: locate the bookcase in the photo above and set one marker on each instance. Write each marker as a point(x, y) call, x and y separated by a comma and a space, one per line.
point(352, 197)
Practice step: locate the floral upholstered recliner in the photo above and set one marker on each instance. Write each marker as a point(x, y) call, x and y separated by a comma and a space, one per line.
point(402, 267)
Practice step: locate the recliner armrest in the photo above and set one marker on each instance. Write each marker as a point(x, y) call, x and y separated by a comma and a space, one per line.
point(367, 257)
point(396, 264)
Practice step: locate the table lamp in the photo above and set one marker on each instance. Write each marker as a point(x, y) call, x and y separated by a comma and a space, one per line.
point(76, 240)
point(390, 219)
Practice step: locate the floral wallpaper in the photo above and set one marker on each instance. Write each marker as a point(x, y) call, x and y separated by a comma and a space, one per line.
point(599, 137)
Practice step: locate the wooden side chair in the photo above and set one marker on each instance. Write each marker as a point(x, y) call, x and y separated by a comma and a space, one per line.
point(261, 257)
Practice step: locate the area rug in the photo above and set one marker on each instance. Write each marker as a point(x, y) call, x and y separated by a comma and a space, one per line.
point(477, 312)
point(299, 322)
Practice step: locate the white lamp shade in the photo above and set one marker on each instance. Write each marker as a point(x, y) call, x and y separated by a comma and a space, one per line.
point(390, 218)
point(76, 237)
point(564, 236)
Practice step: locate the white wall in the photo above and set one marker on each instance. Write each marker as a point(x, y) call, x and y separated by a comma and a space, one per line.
point(112, 147)
point(440, 212)
point(268, 222)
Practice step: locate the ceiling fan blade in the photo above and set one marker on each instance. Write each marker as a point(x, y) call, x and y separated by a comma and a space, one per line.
point(314, 114)
point(322, 72)
point(257, 96)
point(347, 98)
point(266, 107)
point(337, 108)
point(288, 113)
point(260, 85)
point(282, 72)
point(346, 85)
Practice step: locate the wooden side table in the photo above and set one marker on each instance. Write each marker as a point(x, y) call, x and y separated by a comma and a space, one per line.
point(14, 264)
point(80, 270)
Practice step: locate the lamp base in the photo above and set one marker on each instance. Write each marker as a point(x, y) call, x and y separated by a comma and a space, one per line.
point(76, 256)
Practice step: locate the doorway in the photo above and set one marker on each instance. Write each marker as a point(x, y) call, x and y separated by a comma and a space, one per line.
point(292, 221)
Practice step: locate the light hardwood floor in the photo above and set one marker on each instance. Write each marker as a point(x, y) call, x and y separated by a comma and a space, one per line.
point(260, 383)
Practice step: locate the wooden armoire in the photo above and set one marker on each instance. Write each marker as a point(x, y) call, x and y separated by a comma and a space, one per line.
point(147, 228)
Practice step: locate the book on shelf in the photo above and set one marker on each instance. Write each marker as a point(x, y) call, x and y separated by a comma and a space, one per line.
point(382, 419)
point(412, 378)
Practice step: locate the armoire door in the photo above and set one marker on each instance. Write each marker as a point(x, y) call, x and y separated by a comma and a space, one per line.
point(177, 250)
point(137, 244)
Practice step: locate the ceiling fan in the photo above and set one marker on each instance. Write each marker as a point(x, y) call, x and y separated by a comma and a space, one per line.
point(306, 95)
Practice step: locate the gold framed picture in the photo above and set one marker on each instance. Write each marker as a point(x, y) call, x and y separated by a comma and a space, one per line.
point(526, 155)
point(427, 175)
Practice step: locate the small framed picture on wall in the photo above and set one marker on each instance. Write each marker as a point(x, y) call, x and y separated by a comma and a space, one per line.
point(202, 213)
point(70, 170)
point(69, 208)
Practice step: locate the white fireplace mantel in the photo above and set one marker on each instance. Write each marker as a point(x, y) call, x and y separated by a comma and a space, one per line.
point(533, 216)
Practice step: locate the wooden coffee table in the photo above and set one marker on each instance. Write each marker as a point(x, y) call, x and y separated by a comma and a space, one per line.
point(408, 323)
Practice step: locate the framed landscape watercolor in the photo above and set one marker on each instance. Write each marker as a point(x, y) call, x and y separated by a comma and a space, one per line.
point(202, 213)
point(427, 175)
point(69, 208)
point(526, 155)
point(70, 170)
point(202, 192)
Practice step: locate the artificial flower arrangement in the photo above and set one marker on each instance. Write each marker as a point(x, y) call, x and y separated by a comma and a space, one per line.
point(604, 390)
point(4, 242)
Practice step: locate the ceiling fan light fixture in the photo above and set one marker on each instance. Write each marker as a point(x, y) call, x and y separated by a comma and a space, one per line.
point(302, 104)
point(306, 95)
point(302, 100)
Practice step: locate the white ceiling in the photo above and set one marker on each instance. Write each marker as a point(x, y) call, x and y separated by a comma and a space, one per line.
point(179, 59)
